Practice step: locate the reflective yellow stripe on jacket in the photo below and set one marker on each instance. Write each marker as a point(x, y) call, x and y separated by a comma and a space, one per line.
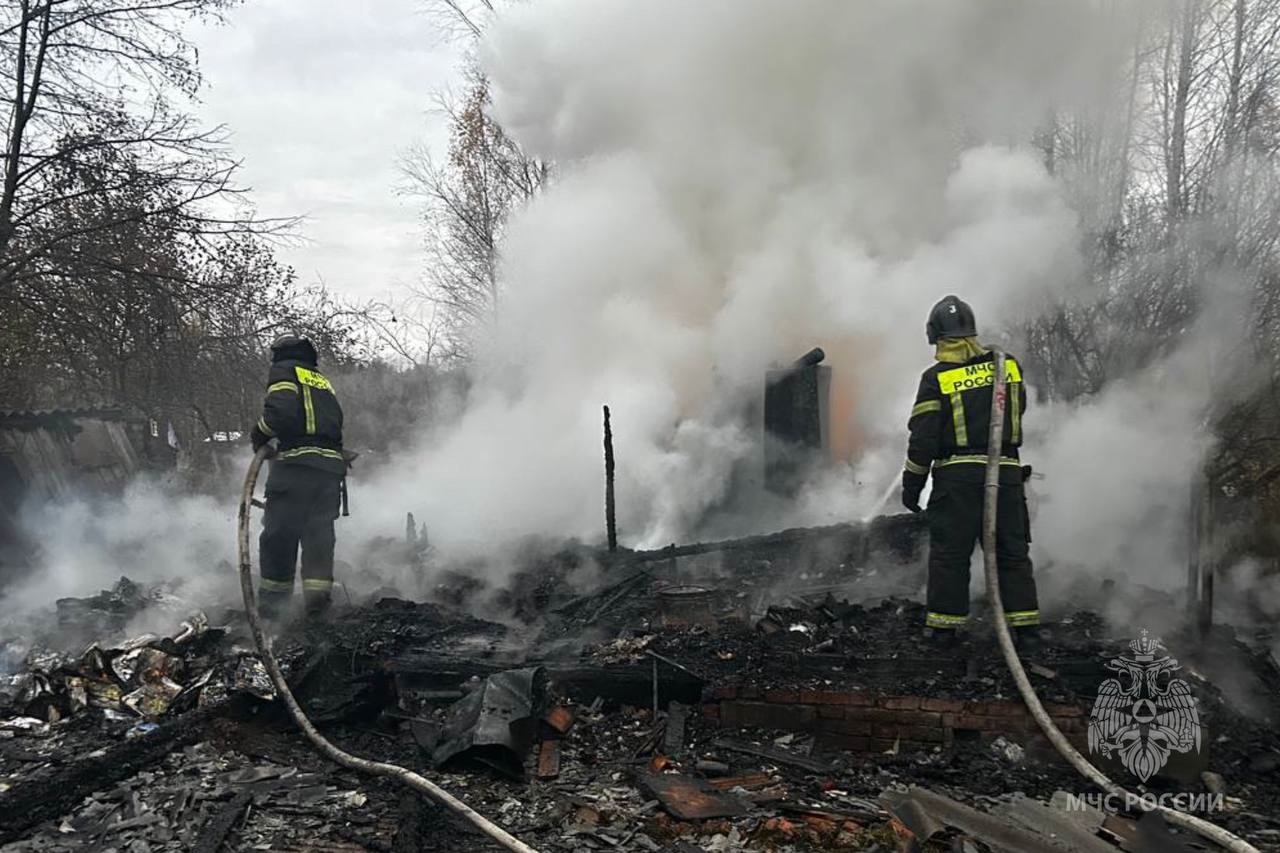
point(310, 409)
point(312, 451)
point(1015, 412)
point(957, 419)
point(926, 407)
point(309, 379)
point(974, 459)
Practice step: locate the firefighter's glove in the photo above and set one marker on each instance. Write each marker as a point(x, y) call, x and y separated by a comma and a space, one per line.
point(912, 486)
point(258, 438)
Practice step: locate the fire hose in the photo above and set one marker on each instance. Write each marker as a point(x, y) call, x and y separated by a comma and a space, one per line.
point(1207, 830)
point(323, 745)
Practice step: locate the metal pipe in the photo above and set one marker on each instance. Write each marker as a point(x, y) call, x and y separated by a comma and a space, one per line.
point(991, 494)
point(812, 358)
point(327, 749)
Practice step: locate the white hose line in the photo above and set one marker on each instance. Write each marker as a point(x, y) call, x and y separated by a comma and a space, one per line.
point(376, 768)
point(995, 440)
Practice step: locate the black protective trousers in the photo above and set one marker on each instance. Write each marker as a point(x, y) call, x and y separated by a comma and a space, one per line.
point(302, 504)
point(955, 526)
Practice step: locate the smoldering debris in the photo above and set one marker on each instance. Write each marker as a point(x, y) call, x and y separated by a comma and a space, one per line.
point(778, 723)
point(129, 680)
point(494, 723)
point(196, 798)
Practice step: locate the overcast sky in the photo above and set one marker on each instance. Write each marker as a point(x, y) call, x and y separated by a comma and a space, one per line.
point(321, 97)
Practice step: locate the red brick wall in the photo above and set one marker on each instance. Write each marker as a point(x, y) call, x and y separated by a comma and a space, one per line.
point(861, 722)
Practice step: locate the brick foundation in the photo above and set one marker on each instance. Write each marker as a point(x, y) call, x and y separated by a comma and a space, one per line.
point(861, 722)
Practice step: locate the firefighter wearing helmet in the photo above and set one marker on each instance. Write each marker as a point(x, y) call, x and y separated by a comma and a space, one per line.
point(949, 426)
point(304, 488)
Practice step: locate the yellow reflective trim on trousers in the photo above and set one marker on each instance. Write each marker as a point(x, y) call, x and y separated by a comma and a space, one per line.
point(1015, 411)
point(1019, 618)
point(974, 459)
point(914, 468)
point(958, 421)
point(266, 430)
point(269, 585)
point(317, 584)
point(282, 386)
point(926, 407)
point(312, 451)
point(971, 377)
point(311, 409)
point(944, 620)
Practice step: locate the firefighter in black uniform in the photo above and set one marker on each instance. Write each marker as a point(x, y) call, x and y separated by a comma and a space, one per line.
point(949, 427)
point(304, 487)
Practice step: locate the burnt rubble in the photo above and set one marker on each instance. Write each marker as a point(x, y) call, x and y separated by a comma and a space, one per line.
point(764, 694)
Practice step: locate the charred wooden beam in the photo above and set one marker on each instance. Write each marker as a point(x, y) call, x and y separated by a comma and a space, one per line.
point(218, 827)
point(897, 534)
point(774, 754)
point(628, 684)
point(610, 509)
point(51, 794)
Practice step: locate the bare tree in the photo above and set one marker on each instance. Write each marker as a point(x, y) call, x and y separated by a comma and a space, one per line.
point(468, 197)
point(463, 20)
point(104, 83)
point(131, 271)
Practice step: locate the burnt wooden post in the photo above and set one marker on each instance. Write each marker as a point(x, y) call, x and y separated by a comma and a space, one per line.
point(610, 518)
point(1208, 559)
point(1201, 563)
point(1193, 549)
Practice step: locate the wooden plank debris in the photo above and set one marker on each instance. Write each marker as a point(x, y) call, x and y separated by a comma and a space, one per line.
point(778, 756)
point(747, 781)
point(561, 718)
point(688, 798)
point(548, 759)
point(215, 831)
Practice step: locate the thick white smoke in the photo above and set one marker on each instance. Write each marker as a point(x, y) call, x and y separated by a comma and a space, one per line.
point(150, 534)
point(739, 181)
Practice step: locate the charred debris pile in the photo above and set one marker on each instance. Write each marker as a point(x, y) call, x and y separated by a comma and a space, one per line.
point(771, 693)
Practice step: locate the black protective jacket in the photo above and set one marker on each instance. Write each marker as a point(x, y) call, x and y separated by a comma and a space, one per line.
point(301, 411)
point(951, 421)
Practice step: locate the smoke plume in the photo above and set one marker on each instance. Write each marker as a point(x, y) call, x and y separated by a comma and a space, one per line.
point(740, 181)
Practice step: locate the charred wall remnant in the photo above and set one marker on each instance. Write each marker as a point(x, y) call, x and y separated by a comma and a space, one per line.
point(51, 453)
point(861, 722)
point(892, 539)
point(795, 421)
point(48, 455)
